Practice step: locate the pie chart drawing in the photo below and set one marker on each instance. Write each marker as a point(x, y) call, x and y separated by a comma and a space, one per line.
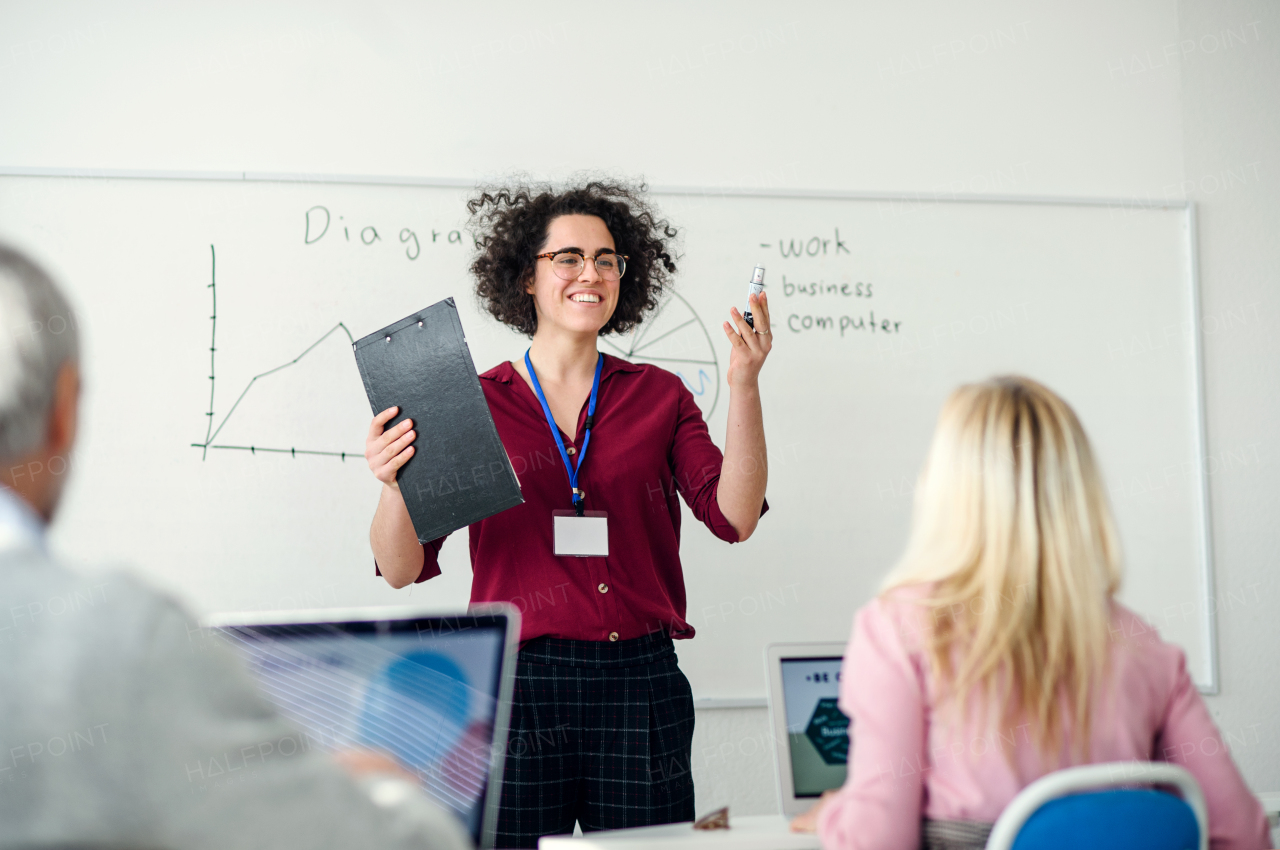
point(674, 338)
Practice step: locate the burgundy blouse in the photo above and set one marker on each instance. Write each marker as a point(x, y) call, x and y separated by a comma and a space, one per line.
point(648, 443)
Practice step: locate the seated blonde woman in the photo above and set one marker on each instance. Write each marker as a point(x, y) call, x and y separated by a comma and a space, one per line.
point(996, 652)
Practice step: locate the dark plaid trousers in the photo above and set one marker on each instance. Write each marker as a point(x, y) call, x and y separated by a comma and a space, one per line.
point(601, 733)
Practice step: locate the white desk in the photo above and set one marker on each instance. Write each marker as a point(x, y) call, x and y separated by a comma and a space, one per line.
point(754, 832)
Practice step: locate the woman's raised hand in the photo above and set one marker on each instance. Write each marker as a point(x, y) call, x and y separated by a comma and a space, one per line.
point(750, 346)
point(387, 451)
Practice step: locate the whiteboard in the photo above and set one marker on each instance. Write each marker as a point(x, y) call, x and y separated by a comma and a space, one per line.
point(222, 439)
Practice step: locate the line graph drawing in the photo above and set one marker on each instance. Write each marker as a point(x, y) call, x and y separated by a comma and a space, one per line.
point(213, 346)
point(211, 433)
point(675, 339)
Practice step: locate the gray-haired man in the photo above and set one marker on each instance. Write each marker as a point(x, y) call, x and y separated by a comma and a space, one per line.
point(114, 710)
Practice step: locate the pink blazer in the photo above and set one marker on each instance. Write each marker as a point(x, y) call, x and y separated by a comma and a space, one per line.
point(907, 764)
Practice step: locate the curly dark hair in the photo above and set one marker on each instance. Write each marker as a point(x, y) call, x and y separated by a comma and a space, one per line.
point(510, 227)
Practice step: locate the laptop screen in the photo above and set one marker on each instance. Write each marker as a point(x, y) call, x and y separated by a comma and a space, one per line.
point(424, 691)
point(817, 731)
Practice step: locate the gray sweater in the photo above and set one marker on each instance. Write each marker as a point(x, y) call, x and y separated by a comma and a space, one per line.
point(124, 724)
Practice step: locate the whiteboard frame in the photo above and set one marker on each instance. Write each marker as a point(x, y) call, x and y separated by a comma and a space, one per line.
point(1208, 580)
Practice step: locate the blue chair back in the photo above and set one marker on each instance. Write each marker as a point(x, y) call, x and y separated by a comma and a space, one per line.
point(1128, 818)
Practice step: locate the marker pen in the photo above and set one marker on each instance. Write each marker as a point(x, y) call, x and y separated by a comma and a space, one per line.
point(756, 287)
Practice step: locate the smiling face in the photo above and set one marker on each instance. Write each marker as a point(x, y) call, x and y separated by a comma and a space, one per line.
point(586, 303)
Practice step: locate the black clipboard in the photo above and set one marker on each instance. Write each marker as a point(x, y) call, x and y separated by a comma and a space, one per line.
point(459, 472)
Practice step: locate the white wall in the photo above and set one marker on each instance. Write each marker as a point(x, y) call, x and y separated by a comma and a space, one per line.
point(1082, 98)
point(1231, 144)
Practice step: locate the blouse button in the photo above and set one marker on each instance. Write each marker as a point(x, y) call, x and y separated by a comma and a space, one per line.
point(602, 587)
point(613, 635)
point(571, 450)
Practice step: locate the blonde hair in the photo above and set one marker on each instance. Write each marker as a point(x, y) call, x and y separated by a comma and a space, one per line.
point(1013, 528)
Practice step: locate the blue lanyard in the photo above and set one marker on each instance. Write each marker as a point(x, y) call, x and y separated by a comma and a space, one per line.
point(555, 429)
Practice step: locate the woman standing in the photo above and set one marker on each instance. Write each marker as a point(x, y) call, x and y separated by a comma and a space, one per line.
point(602, 718)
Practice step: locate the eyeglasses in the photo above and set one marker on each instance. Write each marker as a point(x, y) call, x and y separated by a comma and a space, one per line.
point(568, 265)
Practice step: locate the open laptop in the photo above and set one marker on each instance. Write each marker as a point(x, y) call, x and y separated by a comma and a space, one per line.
point(810, 733)
point(431, 690)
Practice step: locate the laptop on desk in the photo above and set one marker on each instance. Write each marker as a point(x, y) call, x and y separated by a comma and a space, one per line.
point(433, 691)
point(810, 733)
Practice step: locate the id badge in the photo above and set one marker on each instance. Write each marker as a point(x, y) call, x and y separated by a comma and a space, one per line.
point(581, 536)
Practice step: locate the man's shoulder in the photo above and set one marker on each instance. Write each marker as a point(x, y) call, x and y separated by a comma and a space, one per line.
point(40, 594)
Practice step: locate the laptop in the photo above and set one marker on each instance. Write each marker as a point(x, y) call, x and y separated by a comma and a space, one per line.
point(810, 733)
point(431, 690)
